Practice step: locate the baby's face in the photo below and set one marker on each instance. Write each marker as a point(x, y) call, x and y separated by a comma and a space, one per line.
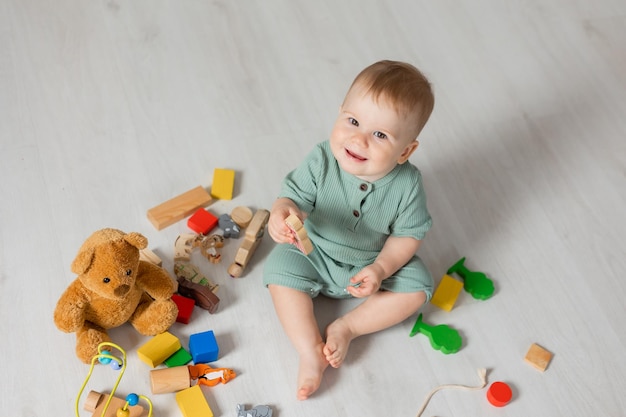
point(369, 138)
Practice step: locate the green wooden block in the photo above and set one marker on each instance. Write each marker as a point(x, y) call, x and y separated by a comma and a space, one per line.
point(180, 358)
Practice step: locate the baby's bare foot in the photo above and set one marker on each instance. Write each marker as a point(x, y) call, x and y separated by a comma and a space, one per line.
point(312, 366)
point(338, 338)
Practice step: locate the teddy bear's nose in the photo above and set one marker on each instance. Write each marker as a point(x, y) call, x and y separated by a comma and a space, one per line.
point(122, 290)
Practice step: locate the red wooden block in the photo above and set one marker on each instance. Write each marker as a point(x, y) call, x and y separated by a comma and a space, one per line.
point(202, 221)
point(185, 308)
point(499, 394)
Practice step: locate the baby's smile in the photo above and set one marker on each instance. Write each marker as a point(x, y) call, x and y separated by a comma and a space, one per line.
point(355, 156)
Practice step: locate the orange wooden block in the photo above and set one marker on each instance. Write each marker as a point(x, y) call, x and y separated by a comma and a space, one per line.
point(178, 207)
point(538, 357)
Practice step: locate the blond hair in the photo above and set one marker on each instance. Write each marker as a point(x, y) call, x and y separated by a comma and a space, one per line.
point(404, 86)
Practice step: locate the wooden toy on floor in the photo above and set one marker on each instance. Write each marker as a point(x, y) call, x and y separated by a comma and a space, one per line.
point(442, 337)
point(499, 394)
point(96, 402)
point(203, 347)
point(252, 239)
point(538, 357)
point(158, 349)
point(192, 403)
point(446, 293)
point(476, 283)
point(179, 378)
point(242, 216)
point(107, 405)
point(256, 411)
point(192, 284)
point(179, 207)
point(223, 183)
point(301, 239)
point(202, 221)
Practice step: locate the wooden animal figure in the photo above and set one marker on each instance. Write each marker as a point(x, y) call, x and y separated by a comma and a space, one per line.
point(258, 411)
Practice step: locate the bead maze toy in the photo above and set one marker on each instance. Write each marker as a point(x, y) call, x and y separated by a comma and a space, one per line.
point(442, 337)
point(107, 405)
point(475, 283)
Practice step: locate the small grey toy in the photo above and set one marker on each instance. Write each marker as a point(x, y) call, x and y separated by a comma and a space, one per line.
point(258, 411)
point(230, 228)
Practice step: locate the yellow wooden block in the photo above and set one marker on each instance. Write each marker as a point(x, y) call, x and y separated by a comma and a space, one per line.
point(192, 403)
point(178, 207)
point(159, 348)
point(446, 293)
point(538, 357)
point(223, 184)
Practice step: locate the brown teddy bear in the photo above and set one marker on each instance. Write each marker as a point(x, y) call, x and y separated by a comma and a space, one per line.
point(114, 287)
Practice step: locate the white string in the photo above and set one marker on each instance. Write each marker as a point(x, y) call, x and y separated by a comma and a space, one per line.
point(482, 373)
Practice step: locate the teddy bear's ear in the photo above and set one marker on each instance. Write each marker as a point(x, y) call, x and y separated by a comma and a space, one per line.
point(82, 261)
point(137, 240)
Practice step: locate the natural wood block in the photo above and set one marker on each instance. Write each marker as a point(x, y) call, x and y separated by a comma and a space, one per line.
point(169, 379)
point(538, 357)
point(96, 402)
point(178, 208)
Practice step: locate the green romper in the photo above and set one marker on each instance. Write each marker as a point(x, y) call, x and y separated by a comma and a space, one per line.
point(348, 222)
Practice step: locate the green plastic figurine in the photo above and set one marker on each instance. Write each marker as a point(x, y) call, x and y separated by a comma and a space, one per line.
point(442, 337)
point(476, 283)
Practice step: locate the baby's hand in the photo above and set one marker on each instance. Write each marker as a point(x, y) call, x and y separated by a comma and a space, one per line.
point(366, 282)
point(276, 226)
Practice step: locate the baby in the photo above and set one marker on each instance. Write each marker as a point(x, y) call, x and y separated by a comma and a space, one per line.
point(365, 211)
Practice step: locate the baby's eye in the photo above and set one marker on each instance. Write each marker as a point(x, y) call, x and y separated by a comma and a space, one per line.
point(353, 121)
point(380, 135)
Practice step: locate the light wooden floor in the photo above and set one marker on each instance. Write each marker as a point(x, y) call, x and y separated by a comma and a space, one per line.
point(108, 108)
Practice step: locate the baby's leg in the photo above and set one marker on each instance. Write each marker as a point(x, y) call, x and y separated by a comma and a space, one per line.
point(295, 312)
point(379, 311)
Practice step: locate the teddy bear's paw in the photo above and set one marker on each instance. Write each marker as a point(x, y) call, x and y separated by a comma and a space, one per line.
point(154, 317)
point(87, 342)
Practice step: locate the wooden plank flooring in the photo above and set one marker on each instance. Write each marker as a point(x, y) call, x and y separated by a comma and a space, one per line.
point(109, 108)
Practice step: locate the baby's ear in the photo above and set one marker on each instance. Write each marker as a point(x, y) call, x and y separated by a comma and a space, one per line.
point(137, 240)
point(410, 148)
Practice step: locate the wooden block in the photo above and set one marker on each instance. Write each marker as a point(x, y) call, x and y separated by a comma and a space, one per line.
point(203, 347)
point(302, 241)
point(446, 293)
point(223, 184)
point(192, 403)
point(149, 256)
point(538, 357)
point(169, 379)
point(159, 348)
point(178, 208)
point(202, 221)
point(242, 215)
point(185, 308)
point(180, 358)
point(96, 402)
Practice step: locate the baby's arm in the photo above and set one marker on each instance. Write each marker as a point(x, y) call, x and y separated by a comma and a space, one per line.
point(281, 209)
point(396, 252)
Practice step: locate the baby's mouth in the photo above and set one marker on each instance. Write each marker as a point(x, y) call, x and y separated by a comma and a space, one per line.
point(355, 156)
